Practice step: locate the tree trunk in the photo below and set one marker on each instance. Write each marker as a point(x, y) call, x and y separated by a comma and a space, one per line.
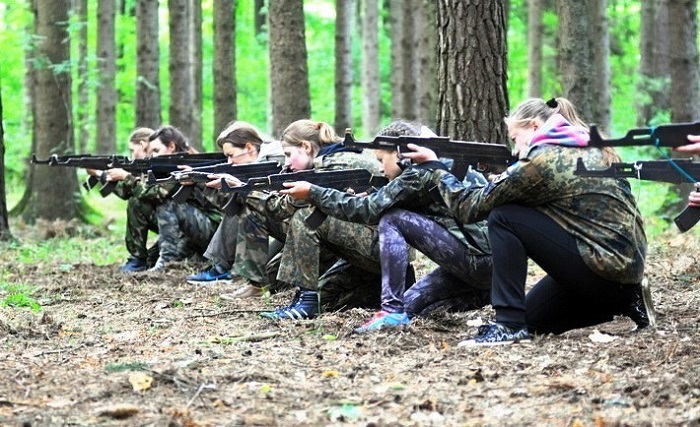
point(289, 73)
point(575, 56)
point(600, 43)
point(180, 66)
point(343, 64)
point(654, 64)
point(4, 221)
point(83, 115)
point(148, 109)
point(260, 16)
point(52, 194)
point(685, 101)
point(196, 61)
point(409, 70)
point(472, 92)
point(426, 31)
point(106, 115)
point(535, 31)
point(224, 64)
point(396, 29)
point(371, 113)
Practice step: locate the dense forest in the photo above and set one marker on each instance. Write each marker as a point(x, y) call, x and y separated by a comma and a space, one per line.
point(78, 76)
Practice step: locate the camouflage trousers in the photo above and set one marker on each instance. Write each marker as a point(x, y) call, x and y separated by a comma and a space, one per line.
point(253, 235)
point(140, 219)
point(184, 230)
point(222, 246)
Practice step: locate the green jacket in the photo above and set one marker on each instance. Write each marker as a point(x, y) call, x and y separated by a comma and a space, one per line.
point(600, 213)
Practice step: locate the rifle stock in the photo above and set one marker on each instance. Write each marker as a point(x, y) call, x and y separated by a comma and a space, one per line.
point(482, 156)
point(675, 172)
point(671, 135)
point(356, 180)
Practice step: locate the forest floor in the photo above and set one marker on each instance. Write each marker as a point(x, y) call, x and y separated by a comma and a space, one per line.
point(108, 349)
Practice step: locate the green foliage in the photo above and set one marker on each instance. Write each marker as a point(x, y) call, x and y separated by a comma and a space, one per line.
point(126, 366)
point(18, 296)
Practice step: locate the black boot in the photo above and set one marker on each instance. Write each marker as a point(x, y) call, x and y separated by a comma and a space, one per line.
point(304, 305)
point(641, 307)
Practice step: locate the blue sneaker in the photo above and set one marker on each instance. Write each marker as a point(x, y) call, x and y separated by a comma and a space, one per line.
point(496, 334)
point(211, 275)
point(383, 319)
point(134, 265)
point(304, 305)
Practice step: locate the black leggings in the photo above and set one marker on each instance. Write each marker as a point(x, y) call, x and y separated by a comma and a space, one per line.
point(570, 296)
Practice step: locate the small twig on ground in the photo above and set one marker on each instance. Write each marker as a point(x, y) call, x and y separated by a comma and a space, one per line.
point(60, 350)
point(221, 313)
point(199, 390)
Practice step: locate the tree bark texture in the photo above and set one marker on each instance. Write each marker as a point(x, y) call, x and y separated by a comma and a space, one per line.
point(396, 28)
point(654, 63)
point(535, 31)
point(82, 113)
point(4, 220)
point(685, 102)
point(600, 43)
point(289, 73)
point(148, 109)
point(180, 66)
point(344, 10)
point(426, 50)
point(224, 64)
point(106, 115)
point(472, 94)
point(575, 56)
point(196, 61)
point(53, 190)
point(409, 109)
point(371, 112)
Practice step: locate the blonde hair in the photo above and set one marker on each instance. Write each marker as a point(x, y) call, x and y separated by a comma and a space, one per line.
point(140, 135)
point(537, 108)
point(317, 134)
point(239, 134)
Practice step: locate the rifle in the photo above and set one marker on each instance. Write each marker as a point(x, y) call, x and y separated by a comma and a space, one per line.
point(85, 161)
point(357, 180)
point(482, 156)
point(202, 173)
point(671, 135)
point(676, 171)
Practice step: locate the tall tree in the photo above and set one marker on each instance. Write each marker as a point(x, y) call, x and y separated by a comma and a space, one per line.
point(371, 113)
point(289, 71)
point(396, 31)
point(426, 34)
point(535, 31)
point(148, 109)
point(600, 51)
point(4, 220)
point(180, 66)
point(683, 35)
point(409, 70)
point(472, 64)
point(196, 61)
point(344, 13)
point(82, 114)
point(654, 61)
point(52, 191)
point(575, 56)
point(224, 63)
point(106, 116)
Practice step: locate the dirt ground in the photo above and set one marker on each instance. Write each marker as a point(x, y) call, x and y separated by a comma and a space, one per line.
point(132, 350)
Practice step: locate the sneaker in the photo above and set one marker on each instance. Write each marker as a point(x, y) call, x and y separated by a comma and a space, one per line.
point(496, 334)
point(214, 274)
point(134, 265)
point(304, 305)
point(641, 308)
point(383, 319)
point(248, 290)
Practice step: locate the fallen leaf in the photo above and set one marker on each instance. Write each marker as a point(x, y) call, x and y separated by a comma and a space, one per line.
point(599, 337)
point(140, 381)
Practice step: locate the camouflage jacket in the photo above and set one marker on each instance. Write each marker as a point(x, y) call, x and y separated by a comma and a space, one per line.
point(407, 191)
point(600, 213)
point(282, 207)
